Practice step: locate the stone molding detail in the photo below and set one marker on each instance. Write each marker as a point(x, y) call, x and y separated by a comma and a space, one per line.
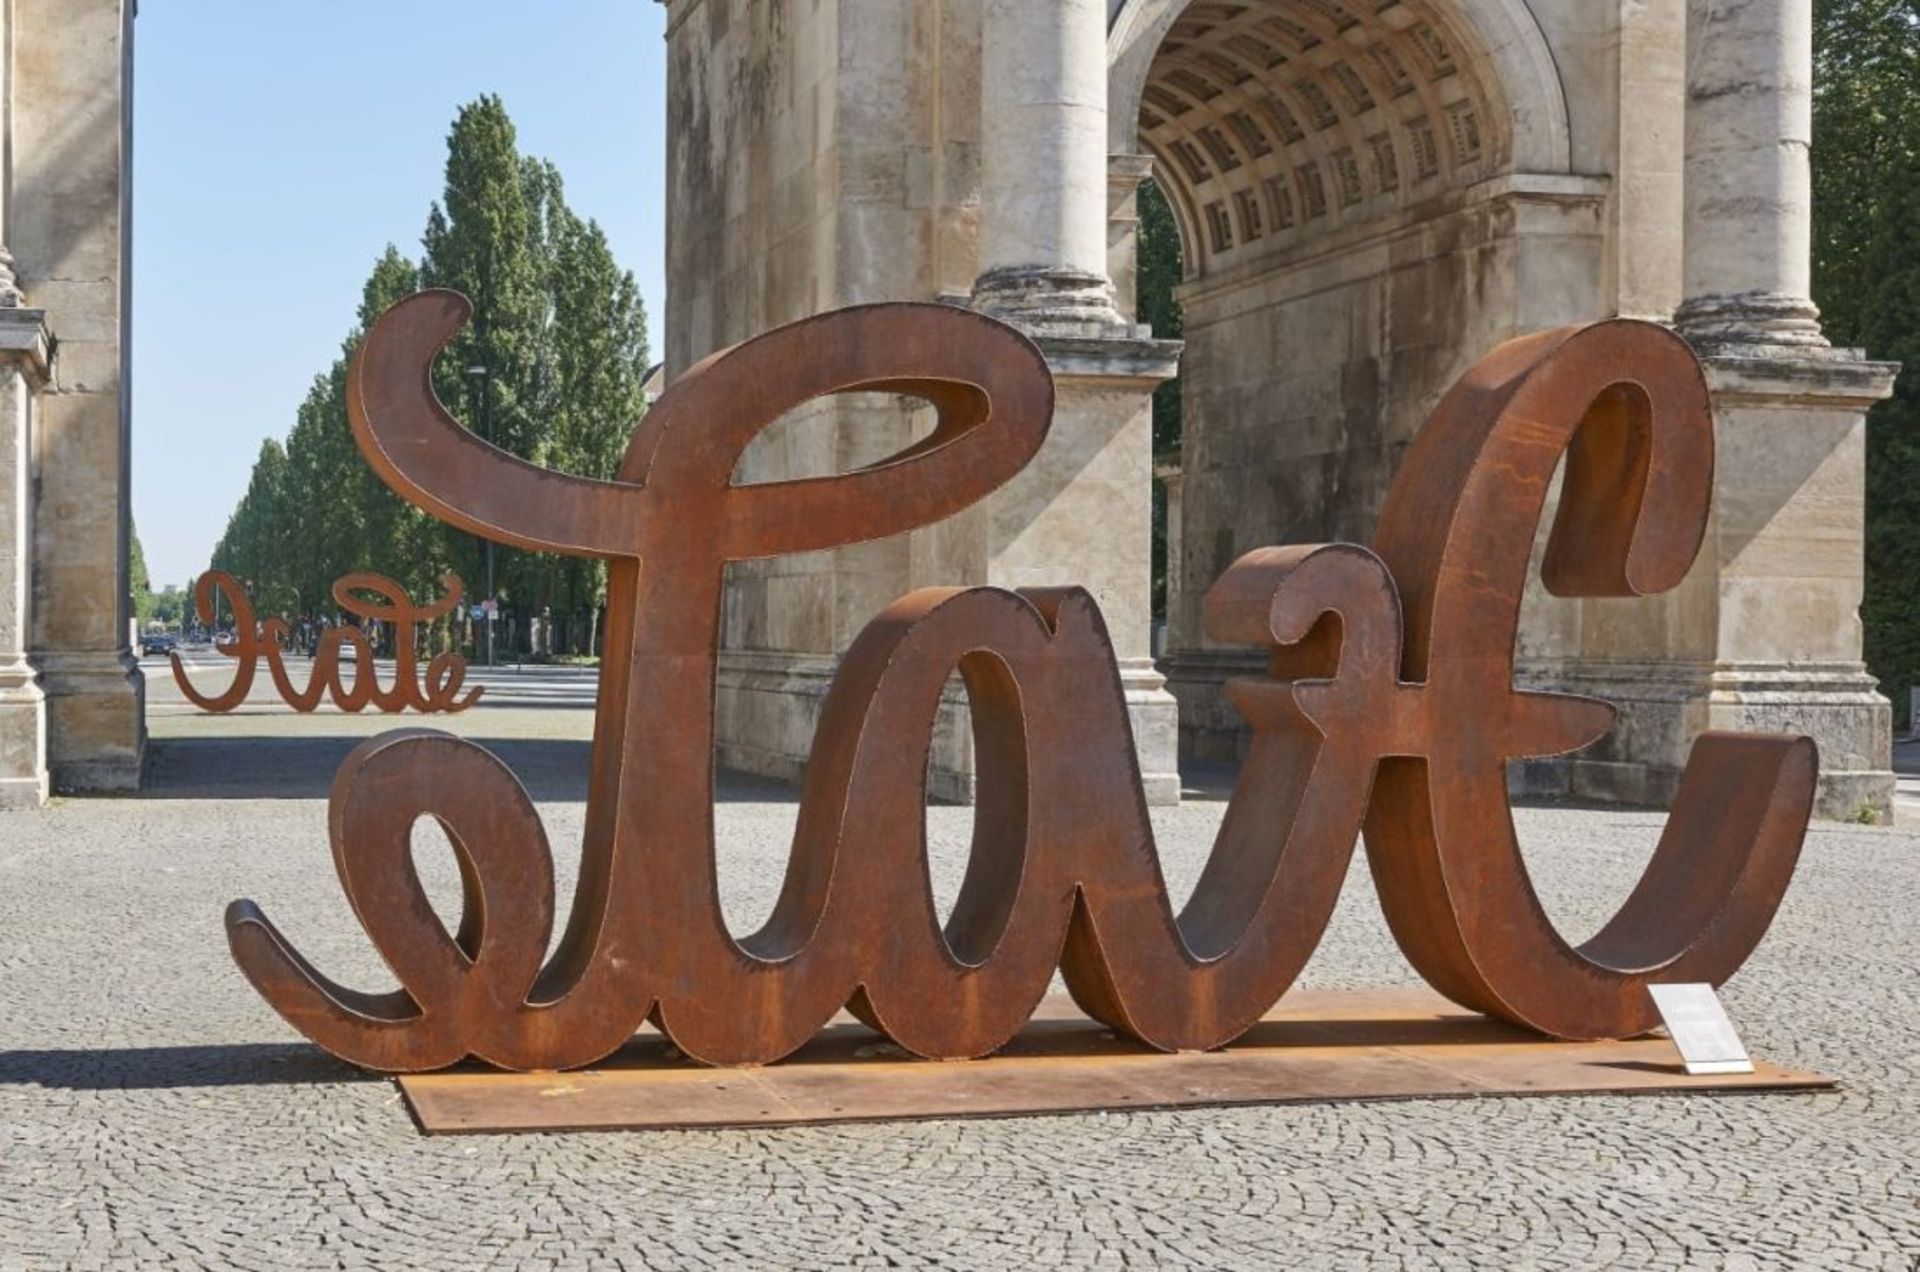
point(1750, 325)
point(1051, 300)
point(10, 294)
point(25, 337)
point(1131, 355)
point(1832, 378)
point(26, 367)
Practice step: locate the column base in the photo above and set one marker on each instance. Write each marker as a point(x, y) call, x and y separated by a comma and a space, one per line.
point(1839, 706)
point(766, 709)
point(1754, 324)
point(1052, 300)
point(1211, 731)
point(767, 706)
point(1155, 716)
point(1664, 707)
point(96, 720)
point(23, 738)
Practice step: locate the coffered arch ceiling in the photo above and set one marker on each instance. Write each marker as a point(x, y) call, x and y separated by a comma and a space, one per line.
point(1277, 122)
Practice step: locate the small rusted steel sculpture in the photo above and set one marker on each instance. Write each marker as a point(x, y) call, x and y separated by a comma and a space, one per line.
point(256, 638)
point(1389, 703)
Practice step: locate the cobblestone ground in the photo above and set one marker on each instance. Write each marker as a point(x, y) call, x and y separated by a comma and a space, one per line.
point(154, 1113)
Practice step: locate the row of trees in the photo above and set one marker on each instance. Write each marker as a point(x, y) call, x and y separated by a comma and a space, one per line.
point(562, 334)
point(554, 363)
point(1866, 171)
point(171, 605)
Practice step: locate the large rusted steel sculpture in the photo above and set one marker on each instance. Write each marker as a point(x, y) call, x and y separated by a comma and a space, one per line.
point(438, 690)
point(1390, 704)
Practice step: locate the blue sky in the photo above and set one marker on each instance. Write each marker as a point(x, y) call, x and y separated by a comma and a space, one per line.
point(280, 146)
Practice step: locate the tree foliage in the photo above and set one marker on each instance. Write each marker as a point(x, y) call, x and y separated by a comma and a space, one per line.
point(1158, 272)
point(139, 583)
point(1866, 165)
point(560, 337)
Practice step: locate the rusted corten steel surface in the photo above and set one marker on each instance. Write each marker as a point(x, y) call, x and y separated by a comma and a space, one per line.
point(1315, 1046)
point(254, 639)
point(1389, 704)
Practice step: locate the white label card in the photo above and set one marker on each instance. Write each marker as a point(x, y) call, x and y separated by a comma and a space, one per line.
point(1699, 1027)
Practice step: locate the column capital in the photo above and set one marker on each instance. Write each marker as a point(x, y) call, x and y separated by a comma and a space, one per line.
point(24, 337)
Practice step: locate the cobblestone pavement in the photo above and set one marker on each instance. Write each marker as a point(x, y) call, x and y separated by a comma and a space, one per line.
point(154, 1113)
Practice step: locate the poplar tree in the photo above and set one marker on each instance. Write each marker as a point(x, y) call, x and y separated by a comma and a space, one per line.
point(255, 544)
point(482, 239)
point(1866, 167)
point(139, 583)
point(597, 365)
point(561, 333)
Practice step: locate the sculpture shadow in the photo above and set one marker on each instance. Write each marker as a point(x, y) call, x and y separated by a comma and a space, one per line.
point(173, 1068)
point(554, 770)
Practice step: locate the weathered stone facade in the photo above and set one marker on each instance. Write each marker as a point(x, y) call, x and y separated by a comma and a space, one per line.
point(1371, 194)
point(825, 155)
point(71, 695)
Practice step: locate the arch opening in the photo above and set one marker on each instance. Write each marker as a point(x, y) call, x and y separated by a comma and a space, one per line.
point(1276, 124)
point(1370, 195)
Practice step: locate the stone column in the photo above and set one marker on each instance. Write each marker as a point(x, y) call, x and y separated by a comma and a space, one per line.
point(24, 356)
point(68, 226)
point(1043, 166)
point(1785, 550)
point(1051, 203)
point(1749, 177)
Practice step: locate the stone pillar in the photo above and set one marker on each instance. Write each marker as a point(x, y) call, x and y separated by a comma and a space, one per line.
point(1786, 544)
point(1788, 529)
point(68, 228)
point(24, 355)
point(1043, 166)
point(1749, 178)
point(1050, 204)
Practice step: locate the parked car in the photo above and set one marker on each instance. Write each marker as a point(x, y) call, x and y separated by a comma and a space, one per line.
point(161, 643)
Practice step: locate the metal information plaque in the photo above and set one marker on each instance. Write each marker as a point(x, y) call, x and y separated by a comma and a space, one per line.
point(1699, 1027)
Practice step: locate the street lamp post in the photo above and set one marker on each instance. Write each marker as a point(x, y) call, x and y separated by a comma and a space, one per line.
point(479, 373)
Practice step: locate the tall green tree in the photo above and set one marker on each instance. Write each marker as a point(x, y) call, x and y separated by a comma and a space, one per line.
point(484, 239)
point(138, 581)
point(560, 335)
point(1866, 165)
point(1158, 273)
point(255, 544)
point(597, 366)
point(172, 606)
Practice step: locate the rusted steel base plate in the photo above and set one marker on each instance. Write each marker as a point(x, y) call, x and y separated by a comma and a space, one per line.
point(1317, 1046)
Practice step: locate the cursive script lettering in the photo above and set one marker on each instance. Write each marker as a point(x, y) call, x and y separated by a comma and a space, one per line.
point(254, 639)
point(1389, 706)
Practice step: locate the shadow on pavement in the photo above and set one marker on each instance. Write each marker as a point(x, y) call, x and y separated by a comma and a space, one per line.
point(158, 1068)
point(552, 769)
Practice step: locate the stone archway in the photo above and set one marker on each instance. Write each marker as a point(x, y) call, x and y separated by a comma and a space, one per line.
point(1370, 196)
